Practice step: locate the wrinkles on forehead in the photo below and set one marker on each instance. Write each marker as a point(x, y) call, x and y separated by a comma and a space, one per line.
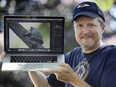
point(80, 17)
point(86, 20)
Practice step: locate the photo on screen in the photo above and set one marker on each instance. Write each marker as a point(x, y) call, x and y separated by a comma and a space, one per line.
point(35, 33)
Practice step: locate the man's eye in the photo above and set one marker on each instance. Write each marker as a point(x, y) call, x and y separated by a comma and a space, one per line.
point(79, 26)
point(91, 25)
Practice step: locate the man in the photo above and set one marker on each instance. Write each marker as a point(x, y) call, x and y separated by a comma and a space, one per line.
point(92, 65)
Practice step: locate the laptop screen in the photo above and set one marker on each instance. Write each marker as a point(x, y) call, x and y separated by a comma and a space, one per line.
point(31, 34)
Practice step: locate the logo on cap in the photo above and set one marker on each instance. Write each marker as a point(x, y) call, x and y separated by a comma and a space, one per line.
point(83, 5)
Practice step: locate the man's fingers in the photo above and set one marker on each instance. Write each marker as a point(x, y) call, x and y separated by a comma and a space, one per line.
point(2, 54)
point(57, 70)
point(51, 70)
point(63, 65)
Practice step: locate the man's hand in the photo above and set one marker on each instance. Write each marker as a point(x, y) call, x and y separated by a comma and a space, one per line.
point(64, 73)
point(1, 45)
point(2, 54)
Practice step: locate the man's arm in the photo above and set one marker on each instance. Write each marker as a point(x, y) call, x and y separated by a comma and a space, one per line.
point(38, 79)
point(67, 75)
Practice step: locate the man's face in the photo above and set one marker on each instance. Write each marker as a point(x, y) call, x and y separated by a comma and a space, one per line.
point(88, 32)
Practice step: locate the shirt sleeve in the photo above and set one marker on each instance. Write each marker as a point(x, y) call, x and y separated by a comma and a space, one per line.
point(54, 82)
point(108, 78)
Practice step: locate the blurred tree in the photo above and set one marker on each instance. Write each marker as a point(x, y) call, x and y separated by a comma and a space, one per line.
point(105, 4)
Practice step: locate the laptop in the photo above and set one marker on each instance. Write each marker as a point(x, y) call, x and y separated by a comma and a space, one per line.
point(33, 42)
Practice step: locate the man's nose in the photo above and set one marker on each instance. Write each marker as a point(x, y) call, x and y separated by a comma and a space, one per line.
point(85, 29)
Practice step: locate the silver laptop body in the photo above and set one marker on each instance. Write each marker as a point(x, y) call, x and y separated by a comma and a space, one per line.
point(33, 42)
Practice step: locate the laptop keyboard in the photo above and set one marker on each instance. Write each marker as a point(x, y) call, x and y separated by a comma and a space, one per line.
point(31, 59)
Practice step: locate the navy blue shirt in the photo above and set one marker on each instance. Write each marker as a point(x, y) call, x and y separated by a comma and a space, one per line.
point(100, 69)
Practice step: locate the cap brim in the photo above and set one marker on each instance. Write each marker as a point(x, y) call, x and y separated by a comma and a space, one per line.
point(89, 14)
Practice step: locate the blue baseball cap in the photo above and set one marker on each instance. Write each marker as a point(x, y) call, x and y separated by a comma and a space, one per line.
point(89, 9)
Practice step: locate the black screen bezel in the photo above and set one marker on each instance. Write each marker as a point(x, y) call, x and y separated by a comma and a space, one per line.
point(47, 19)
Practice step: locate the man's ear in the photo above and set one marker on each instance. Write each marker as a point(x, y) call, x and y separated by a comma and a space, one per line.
point(103, 27)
